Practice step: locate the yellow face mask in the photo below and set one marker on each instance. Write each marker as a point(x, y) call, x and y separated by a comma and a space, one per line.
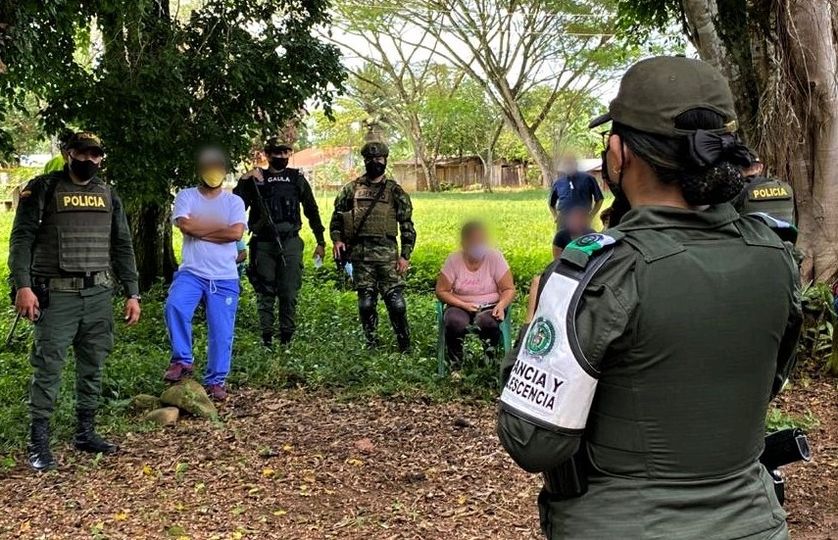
point(213, 177)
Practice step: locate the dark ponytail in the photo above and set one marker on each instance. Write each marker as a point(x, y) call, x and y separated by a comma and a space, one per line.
point(674, 159)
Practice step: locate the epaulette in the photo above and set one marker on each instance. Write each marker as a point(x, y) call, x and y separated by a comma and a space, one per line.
point(786, 231)
point(580, 251)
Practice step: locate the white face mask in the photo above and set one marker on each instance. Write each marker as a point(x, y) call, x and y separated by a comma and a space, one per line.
point(478, 252)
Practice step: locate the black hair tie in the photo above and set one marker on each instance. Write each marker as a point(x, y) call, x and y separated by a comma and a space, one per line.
point(708, 149)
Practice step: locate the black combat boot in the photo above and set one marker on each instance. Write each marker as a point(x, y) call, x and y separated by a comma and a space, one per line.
point(285, 337)
point(87, 440)
point(267, 340)
point(367, 300)
point(397, 310)
point(40, 458)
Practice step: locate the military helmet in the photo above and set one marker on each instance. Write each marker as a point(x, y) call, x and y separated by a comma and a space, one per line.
point(374, 149)
point(276, 144)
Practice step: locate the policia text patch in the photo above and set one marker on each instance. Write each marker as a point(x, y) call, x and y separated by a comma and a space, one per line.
point(80, 202)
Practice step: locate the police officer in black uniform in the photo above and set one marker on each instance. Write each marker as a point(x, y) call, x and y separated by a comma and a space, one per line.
point(273, 197)
point(769, 198)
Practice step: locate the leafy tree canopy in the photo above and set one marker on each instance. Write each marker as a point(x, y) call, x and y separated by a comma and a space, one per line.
point(156, 86)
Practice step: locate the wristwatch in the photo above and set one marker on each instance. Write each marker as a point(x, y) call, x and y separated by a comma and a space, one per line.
point(136, 297)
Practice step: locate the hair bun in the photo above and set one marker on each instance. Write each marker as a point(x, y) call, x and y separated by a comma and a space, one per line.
point(717, 184)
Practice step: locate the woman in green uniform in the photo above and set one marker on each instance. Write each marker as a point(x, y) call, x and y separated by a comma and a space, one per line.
point(641, 385)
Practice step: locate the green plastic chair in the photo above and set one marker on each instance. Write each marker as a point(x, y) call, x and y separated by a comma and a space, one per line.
point(441, 360)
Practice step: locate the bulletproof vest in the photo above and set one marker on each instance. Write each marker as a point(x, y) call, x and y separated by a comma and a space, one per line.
point(281, 193)
point(684, 395)
point(382, 218)
point(75, 232)
point(770, 196)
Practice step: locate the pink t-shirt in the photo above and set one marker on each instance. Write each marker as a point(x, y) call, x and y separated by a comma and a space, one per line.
point(479, 286)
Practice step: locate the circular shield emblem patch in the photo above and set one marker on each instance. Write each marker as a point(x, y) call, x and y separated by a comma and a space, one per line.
point(589, 239)
point(541, 337)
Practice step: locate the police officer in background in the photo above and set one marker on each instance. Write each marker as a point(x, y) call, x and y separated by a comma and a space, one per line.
point(70, 230)
point(640, 386)
point(768, 196)
point(273, 197)
point(370, 213)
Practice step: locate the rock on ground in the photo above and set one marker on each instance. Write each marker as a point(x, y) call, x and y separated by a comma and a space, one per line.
point(189, 396)
point(145, 402)
point(165, 416)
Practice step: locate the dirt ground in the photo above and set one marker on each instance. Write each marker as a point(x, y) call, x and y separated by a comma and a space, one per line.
point(292, 465)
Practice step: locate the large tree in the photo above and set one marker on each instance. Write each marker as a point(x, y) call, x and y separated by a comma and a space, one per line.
point(781, 58)
point(160, 84)
point(510, 47)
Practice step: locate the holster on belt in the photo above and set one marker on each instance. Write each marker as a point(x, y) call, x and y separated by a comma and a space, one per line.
point(570, 479)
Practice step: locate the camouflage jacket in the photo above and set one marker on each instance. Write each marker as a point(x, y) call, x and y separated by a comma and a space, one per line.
point(404, 215)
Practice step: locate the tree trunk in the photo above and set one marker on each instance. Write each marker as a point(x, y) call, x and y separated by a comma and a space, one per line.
point(781, 63)
point(152, 231)
point(812, 54)
point(420, 152)
point(516, 121)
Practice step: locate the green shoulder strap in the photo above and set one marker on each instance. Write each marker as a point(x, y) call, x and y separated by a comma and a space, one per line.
point(580, 251)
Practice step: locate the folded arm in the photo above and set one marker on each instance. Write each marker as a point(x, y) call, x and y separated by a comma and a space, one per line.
point(210, 231)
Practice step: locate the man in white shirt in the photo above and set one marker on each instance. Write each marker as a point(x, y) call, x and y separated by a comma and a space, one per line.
point(212, 221)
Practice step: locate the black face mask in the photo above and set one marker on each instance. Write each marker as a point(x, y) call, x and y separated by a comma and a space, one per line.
point(83, 170)
point(374, 169)
point(279, 163)
point(620, 205)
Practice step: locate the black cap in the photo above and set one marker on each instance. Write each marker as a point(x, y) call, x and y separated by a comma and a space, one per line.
point(655, 91)
point(84, 140)
point(374, 149)
point(275, 144)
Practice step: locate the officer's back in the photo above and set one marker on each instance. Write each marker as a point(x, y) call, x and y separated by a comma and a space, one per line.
point(656, 347)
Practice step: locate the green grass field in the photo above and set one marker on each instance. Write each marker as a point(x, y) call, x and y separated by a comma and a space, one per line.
point(327, 352)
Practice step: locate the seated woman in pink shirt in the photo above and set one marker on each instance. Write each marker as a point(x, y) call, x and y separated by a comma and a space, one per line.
point(476, 286)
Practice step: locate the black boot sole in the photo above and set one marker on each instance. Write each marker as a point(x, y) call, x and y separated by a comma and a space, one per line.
point(83, 447)
point(46, 468)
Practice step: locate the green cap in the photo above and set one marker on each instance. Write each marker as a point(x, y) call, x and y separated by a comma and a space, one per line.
point(84, 140)
point(374, 149)
point(275, 144)
point(655, 91)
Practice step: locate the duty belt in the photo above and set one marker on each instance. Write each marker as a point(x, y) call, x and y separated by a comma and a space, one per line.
point(75, 283)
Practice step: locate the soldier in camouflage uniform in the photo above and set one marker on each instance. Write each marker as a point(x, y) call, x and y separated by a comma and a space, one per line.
point(370, 213)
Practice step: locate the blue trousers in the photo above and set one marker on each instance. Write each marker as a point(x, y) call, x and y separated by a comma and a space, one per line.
point(221, 298)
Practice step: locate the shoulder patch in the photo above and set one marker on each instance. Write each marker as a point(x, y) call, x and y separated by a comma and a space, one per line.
point(580, 250)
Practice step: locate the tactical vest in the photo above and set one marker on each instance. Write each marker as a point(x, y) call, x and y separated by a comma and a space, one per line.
point(641, 417)
point(769, 196)
point(281, 193)
point(75, 233)
point(382, 219)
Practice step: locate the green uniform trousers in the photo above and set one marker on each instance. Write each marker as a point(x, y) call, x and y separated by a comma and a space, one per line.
point(376, 275)
point(282, 281)
point(83, 319)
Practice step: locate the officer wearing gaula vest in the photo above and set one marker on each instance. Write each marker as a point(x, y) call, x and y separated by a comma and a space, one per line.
point(641, 385)
point(273, 197)
point(369, 215)
point(69, 232)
